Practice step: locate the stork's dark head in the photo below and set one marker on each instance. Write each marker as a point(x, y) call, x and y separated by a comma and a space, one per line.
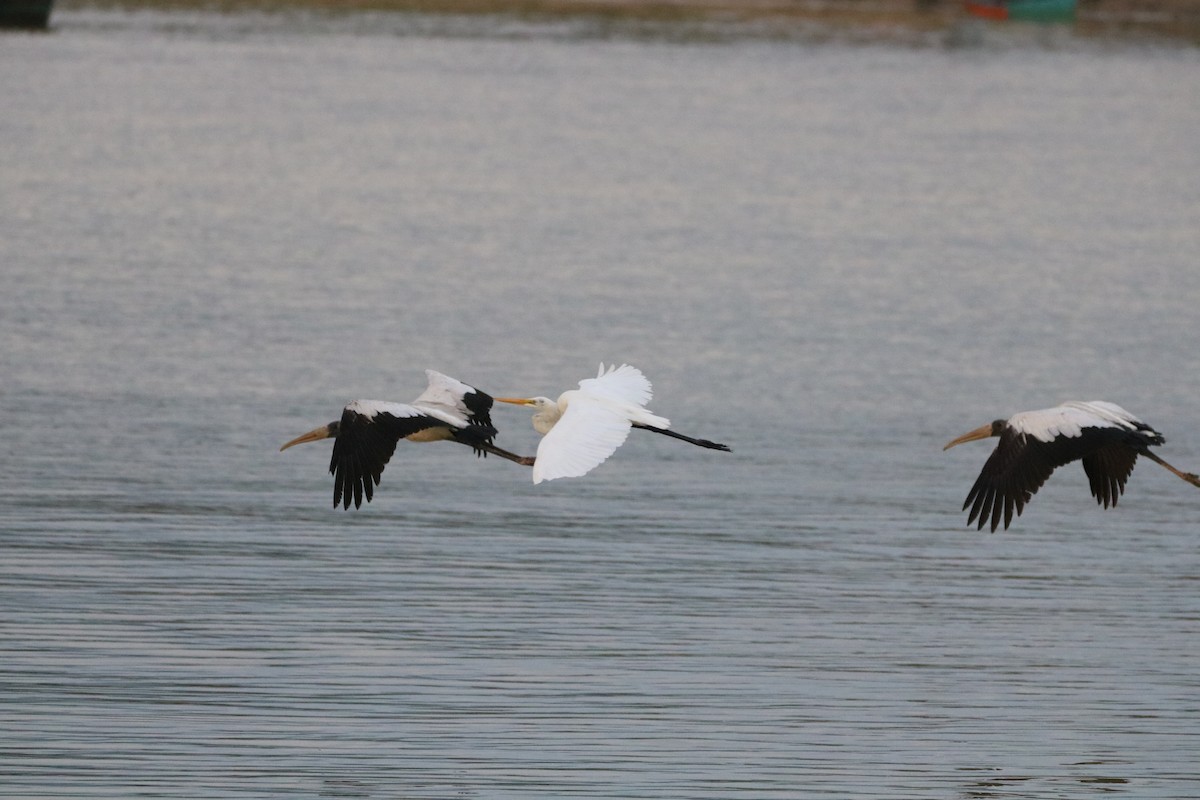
point(982, 432)
point(329, 431)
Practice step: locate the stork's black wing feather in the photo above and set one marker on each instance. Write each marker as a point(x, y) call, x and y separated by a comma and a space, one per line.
point(481, 432)
point(1111, 463)
point(1021, 463)
point(1010, 476)
point(364, 444)
point(1108, 468)
point(479, 408)
point(1013, 473)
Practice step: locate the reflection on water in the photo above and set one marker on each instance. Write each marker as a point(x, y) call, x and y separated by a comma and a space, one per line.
point(832, 257)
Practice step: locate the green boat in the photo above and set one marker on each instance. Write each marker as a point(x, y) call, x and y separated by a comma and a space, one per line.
point(25, 13)
point(1031, 10)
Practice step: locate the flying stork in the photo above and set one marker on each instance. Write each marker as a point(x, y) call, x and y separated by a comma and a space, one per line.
point(586, 425)
point(1107, 438)
point(366, 435)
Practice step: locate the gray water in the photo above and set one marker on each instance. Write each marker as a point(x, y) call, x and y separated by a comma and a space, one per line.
point(835, 256)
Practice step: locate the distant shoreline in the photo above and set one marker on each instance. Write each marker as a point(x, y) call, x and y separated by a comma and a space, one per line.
point(1176, 19)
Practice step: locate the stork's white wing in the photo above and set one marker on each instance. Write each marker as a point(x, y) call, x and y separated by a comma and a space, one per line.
point(1070, 419)
point(583, 438)
point(443, 398)
point(444, 391)
point(624, 384)
point(1109, 411)
point(371, 408)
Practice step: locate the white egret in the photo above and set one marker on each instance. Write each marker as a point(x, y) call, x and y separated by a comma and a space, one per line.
point(586, 425)
point(1033, 444)
point(366, 435)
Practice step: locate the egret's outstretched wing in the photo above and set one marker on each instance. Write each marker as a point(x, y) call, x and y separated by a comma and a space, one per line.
point(589, 431)
point(625, 384)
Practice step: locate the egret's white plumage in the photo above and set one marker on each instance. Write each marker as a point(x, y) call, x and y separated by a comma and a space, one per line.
point(1104, 436)
point(585, 426)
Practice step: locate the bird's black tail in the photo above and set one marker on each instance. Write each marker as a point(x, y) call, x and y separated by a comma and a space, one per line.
point(688, 439)
point(477, 437)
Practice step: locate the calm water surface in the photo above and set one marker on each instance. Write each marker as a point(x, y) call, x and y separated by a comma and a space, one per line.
point(215, 230)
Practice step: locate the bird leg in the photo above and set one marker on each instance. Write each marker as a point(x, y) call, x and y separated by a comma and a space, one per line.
point(526, 461)
point(1190, 477)
point(682, 438)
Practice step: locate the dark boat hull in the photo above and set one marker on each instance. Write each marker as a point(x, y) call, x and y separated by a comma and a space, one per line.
point(1032, 10)
point(33, 14)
